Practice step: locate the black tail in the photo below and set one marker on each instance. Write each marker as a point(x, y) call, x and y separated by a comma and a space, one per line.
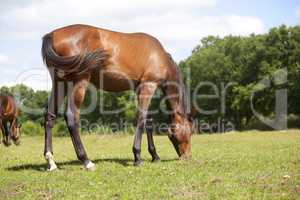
point(71, 65)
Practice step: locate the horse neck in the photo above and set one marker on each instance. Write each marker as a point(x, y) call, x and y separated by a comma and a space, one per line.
point(175, 91)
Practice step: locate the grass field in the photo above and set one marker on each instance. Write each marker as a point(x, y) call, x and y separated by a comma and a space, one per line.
point(248, 165)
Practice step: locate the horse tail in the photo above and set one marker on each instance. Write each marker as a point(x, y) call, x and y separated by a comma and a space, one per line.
point(71, 65)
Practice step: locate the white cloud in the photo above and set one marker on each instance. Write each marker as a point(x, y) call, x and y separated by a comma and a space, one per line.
point(178, 24)
point(183, 31)
point(172, 21)
point(35, 77)
point(3, 59)
point(37, 18)
point(57, 12)
point(298, 13)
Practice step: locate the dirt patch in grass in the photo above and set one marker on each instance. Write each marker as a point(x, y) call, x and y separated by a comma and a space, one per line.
point(188, 192)
point(44, 195)
point(12, 191)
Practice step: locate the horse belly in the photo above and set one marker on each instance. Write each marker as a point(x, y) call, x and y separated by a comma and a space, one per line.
point(113, 82)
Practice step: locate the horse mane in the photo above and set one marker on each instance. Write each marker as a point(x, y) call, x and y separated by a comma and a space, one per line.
point(182, 88)
point(71, 65)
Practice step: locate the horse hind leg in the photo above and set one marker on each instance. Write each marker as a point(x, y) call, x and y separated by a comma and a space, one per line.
point(56, 99)
point(75, 98)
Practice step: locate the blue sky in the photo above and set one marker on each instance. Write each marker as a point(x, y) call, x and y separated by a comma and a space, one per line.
point(271, 12)
point(178, 24)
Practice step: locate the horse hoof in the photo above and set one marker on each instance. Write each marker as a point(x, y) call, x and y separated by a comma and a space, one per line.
point(90, 166)
point(52, 168)
point(155, 160)
point(7, 144)
point(50, 161)
point(137, 163)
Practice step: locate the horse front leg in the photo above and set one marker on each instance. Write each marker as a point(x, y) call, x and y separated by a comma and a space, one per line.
point(145, 93)
point(6, 134)
point(56, 99)
point(2, 130)
point(151, 146)
point(72, 117)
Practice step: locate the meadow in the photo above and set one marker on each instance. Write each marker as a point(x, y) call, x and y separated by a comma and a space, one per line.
point(245, 165)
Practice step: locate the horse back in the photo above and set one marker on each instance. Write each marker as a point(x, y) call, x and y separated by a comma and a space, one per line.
point(134, 56)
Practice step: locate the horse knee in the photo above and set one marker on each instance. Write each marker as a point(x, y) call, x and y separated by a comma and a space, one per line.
point(69, 118)
point(142, 119)
point(49, 120)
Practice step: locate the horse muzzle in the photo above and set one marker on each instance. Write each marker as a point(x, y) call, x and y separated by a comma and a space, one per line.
point(17, 142)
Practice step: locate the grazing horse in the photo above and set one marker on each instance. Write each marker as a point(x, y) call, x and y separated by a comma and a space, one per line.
point(77, 55)
point(8, 120)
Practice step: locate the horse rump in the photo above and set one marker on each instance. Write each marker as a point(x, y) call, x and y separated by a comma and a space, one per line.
point(71, 65)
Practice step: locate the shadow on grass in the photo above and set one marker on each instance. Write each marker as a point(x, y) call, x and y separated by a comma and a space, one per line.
point(42, 167)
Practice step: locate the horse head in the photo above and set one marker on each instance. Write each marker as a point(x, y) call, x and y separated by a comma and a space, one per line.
point(180, 134)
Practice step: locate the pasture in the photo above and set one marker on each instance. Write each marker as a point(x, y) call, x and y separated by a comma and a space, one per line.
point(247, 165)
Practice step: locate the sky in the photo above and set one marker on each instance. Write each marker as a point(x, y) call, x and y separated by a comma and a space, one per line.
point(178, 24)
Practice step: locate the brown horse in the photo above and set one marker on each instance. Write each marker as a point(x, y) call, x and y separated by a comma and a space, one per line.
point(8, 120)
point(77, 55)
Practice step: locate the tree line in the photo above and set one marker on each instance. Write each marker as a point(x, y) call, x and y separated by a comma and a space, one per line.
point(221, 76)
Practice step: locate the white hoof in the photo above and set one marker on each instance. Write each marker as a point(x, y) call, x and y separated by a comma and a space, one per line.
point(52, 168)
point(90, 166)
point(51, 164)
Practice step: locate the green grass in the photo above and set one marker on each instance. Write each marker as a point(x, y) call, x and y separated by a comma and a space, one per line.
point(248, 165)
